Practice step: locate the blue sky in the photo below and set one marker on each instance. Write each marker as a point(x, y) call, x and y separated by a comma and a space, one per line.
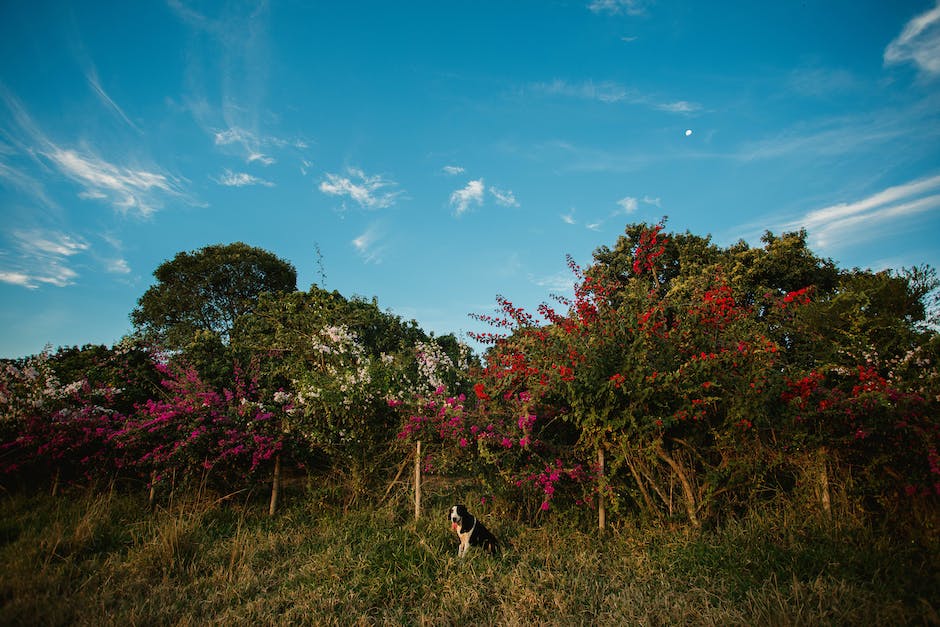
point(440, 153)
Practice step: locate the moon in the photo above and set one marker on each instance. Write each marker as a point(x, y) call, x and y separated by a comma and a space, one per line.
point(688, 132)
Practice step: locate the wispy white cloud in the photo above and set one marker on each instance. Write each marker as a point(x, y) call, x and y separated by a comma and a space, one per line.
point(90, 71)
point(27, 185)
point(618, 7)
point(233, 53)
point(864, 219)
point(504, 197)
point(628, 204)
point(232, 136)
point(252, 146)
point(604, 91)
point(562, 282)
point(39, 242)
point(261, 158)
point(249, 143)
point(820, 81)
point(918, 43)
point(472, 193)
point(610, 92)
point(841, 137)
point(91, 76)
point(452, 169)
point(42, 259)
point(117, 266)
point(17, 278)
point(369, 192)
point(367, 247)
point(115, 263)
point(625, 206)
point(680, 106)
point(241, 179)
point(127, 189)
point(585, 158)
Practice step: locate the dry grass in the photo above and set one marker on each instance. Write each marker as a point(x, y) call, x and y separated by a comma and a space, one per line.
point(107, 560)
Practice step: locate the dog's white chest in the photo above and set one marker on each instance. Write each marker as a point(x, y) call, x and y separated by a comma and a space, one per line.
point(465, 540)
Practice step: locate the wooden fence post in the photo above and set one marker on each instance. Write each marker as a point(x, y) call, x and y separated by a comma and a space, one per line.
point(151, 501)
point(418, 480)
point(602, 487)
point(275, 485)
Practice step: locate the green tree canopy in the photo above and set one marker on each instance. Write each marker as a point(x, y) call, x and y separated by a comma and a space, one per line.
point(206, 290)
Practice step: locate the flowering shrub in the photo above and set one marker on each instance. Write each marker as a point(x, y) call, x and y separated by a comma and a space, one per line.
point(51, 429)
point(650, 247)
point(870, 423)
point(676, 382)
point(195, 432)
point(30, 388)
point(498, 440)
point(690, 371)
point(341, 367)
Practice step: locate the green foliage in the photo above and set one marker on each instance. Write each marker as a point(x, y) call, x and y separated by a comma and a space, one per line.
point(338, 363)
point(208, 290)
point(680, 360)
point(705, 375)
point(127, 369)
point(784, 264)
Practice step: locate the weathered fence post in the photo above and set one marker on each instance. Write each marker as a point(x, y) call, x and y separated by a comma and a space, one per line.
point(275, 485)
point(601, 488)
point(418, 480)
point(151, 500)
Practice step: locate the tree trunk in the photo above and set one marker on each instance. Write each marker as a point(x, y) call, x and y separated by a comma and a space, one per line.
point(275, 485)
point(601, 488)
point(647, 500)
point(687, 490)
point(418, 480)
point(647, 474)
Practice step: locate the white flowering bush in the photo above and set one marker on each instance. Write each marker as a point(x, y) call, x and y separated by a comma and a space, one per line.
point(334, 391)
point(339, 367)
point(30, 388)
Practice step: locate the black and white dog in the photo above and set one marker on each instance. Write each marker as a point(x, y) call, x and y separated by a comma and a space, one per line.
point(471, 531)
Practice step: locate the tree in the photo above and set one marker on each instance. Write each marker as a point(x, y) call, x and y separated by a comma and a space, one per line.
point(206, 291)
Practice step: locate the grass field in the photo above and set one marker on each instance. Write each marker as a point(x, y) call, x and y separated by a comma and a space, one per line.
point(105, 559)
